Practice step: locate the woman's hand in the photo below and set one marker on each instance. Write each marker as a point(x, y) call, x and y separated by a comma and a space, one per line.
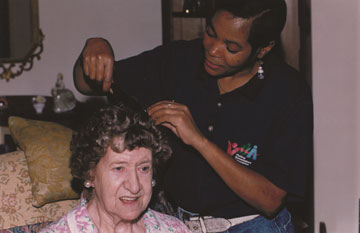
point(178, 119)
point(252, 187)
point(98, 61)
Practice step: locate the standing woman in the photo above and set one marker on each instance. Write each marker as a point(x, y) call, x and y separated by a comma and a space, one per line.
point(242, 116)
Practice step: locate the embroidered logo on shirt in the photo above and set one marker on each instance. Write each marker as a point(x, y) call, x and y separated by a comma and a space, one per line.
point(245, 154)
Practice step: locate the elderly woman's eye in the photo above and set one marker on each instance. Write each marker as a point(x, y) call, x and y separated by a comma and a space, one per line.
point(119, 168)
point(145, 169)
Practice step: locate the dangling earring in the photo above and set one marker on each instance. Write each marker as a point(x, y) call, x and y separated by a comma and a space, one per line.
point(260, 72)
point(87, 184)
point(153, 183)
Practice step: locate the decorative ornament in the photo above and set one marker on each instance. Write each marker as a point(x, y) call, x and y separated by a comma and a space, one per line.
point(9, 70)
point(87, 184)
point(260, 72)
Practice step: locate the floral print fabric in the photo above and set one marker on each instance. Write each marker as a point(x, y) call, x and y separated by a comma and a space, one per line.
point(16, 198)
point(78, 220)
point(33, 228)
point(47, 149)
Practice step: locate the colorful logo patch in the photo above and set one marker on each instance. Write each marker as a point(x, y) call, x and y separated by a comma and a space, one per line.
point(245, 154)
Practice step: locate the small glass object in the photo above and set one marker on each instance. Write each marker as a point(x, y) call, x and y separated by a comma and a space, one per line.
point(64, 99)
point(3, 103)
point(39, 103)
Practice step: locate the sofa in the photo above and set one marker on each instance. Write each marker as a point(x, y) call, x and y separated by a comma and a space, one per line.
point(36, 186)
point(16, 208)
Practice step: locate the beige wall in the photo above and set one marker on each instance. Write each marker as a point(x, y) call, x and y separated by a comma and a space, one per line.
point(131, 25)
point(335, 46)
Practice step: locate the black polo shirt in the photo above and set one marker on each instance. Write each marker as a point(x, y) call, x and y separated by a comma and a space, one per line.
point(265, 125)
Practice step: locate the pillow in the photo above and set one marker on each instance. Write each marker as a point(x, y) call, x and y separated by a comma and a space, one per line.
point(47, 150)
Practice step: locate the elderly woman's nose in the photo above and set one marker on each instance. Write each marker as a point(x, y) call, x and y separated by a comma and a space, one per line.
point(132, 182)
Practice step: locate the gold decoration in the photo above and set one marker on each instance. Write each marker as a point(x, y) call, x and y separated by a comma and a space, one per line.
point(9, 70)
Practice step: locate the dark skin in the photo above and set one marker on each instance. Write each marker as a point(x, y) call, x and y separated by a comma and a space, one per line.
point(98, 63)
point(228, 55)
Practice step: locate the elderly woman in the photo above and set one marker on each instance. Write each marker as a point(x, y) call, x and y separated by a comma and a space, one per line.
point(116, 155)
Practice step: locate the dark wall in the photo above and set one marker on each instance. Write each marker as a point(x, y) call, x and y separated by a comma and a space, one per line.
point(4, 29)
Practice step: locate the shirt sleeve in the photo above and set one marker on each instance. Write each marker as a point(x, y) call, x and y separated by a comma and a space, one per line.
point(289, 146)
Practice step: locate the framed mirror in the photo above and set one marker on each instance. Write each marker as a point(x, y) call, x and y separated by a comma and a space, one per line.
point(21, 40)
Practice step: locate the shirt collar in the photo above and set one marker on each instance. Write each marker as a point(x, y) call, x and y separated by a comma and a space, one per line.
point(250, 90)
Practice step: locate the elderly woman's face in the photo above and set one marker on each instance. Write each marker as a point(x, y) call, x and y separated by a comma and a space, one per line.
point(122, 183)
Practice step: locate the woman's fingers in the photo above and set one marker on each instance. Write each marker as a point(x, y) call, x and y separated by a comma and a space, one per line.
point(161, 105)
point(99, 69)
point(98, 61)
point(86, 67)
point(167, 119)
point(171, 127)
point(177, 118)
point(109, 64)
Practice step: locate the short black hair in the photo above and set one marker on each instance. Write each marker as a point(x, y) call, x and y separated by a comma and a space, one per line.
point(268, 17)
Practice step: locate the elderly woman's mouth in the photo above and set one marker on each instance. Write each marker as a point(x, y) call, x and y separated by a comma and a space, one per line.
point(128, 199)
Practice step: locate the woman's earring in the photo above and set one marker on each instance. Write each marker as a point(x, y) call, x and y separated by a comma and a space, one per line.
point(153, 183)
point(87, 184)
point(260, 72)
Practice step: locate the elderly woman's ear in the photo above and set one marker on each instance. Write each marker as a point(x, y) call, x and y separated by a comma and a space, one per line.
point(88, 181)
point(88, 184)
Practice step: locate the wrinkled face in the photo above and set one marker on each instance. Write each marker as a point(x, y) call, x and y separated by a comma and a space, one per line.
point(122, 183)
point(227, 50)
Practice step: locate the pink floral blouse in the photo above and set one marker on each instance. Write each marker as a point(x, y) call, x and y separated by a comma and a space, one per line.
point(78, 220)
